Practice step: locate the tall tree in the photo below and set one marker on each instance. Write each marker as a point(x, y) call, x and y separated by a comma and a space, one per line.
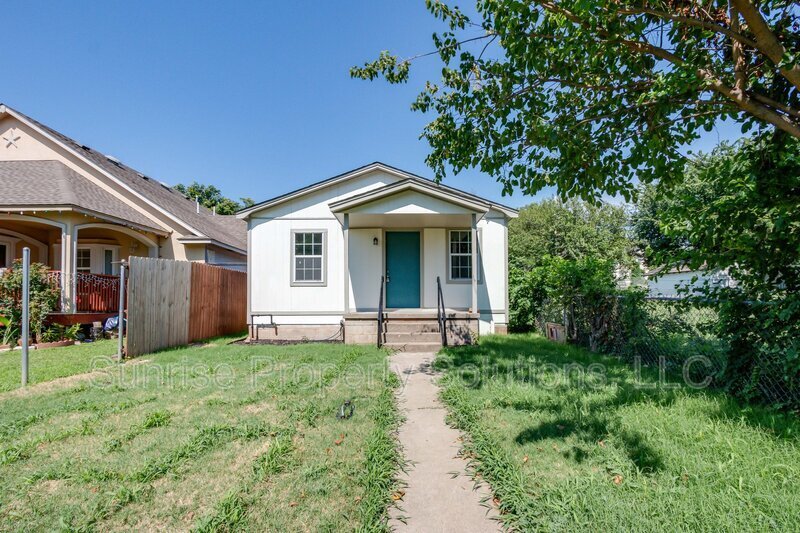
point(587, 96)
point(211, 197)
point(570, 230)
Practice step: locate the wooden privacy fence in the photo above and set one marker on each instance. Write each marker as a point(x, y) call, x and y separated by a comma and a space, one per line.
point(173, 303)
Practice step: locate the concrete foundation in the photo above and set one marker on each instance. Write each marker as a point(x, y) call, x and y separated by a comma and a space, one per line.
point(296, 332)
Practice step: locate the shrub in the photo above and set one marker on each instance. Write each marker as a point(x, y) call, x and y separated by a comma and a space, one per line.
point(43, 297)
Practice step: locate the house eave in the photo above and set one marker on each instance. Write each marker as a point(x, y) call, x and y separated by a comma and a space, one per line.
point(408, 185)
point(77, 209)
point(298, 193)
point(213, 242)
point(403, 175)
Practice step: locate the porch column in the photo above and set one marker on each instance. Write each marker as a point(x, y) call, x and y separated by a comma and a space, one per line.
point(474, 268)
point(68, 267)
point(346, 231)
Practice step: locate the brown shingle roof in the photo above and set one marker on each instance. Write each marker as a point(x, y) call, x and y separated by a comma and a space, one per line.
point(51, 183)
point(227, 230)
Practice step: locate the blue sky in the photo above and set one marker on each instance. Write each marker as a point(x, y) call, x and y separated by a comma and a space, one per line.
point(254, 97)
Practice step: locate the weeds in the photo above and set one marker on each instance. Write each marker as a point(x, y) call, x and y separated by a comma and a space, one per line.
point(231, 511)
point(382, 459)
point(156, 419)
point(260, 456)
point(204, 440)
point(621, 453)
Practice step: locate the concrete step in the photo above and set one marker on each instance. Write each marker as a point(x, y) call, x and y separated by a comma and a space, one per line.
point(413, 336)
point(416, 347)
point(415, 326)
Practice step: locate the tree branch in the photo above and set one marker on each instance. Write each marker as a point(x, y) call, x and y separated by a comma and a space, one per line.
point(733, 34)
point(739, 61)
point(767, 40)
point(766, 100)
point(739, 97)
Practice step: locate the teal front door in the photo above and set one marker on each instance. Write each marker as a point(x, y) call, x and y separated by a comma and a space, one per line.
point(402, 269)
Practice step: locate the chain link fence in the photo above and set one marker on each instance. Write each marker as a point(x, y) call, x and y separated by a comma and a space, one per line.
point(676, 334)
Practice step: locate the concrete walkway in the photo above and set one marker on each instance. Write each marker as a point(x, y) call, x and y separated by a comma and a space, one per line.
point(434, 499)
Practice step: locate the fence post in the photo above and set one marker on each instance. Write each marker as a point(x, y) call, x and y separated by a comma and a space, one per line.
point(26, 297)
point(121, 320)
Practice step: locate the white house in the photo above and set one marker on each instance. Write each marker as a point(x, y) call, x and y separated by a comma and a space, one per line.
point(317, 256)
point(663, 282)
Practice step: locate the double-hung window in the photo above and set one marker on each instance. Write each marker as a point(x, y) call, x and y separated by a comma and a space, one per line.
point(84, 260)
point(460, 255)
point(308, 257)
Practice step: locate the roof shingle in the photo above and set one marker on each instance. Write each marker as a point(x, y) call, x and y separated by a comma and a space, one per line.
point(51, 183)
point(226, 229)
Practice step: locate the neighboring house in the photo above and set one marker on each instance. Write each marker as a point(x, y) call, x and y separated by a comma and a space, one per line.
point(80, 212)
point(666, 283)
point(316, 257)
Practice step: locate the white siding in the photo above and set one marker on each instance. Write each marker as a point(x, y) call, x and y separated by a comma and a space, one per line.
point(270, 273)
point(271, 291)
point(271, 263)
point(366, 266)
point(668, 284)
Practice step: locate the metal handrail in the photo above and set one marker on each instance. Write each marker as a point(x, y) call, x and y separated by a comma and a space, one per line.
point(441, 314)
point(380, 315)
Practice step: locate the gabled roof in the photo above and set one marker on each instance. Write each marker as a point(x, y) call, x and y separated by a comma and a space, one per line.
point(411, 184)
point(51, 184)
point(227, 231)
point(360, 171)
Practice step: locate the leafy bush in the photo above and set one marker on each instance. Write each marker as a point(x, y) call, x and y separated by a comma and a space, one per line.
point(551, 242)
point(43, 298)
point(737, 210)
point(557, 282)
point(528, 292)
point(57, 332)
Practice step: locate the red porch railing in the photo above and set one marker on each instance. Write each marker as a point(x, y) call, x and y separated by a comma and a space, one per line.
point(97, 293)
point(94, 293)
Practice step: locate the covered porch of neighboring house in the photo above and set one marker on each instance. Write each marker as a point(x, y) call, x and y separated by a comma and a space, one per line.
point(82, 254)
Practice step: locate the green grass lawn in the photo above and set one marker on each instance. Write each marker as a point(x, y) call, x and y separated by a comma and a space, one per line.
point(207, 438)
point(598, 451)
point(52, 363)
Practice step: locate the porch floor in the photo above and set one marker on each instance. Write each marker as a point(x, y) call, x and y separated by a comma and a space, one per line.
point(68, 319)
point(411, 314)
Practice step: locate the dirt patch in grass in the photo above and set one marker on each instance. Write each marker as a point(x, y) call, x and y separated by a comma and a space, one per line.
point(65, 382)
point(280, 342)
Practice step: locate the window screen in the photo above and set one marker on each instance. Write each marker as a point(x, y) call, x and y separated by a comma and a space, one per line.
point(460, 255)
point(308, 256)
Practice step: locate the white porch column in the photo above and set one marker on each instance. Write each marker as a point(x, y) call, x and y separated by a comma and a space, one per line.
point(346, 231)
point(68, 267)
point(474, 269)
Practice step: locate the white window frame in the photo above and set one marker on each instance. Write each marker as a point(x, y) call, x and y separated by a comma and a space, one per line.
point(323, 257)
point(450, 255)
point(11, 245)
point(79, 269)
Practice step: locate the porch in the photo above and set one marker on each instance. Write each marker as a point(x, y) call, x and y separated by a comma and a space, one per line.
point(408, 247)
point(412, 260)
point(82, 254)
